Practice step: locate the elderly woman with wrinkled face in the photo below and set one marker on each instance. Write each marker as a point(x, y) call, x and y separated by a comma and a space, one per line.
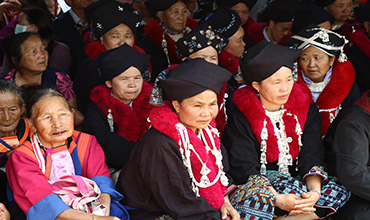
point(118, 112)
point(209, 45)
point(28, 53)
point(55, 152)
point(13, 129)
point(110, 32)
point(322, 68)
point(171, 24)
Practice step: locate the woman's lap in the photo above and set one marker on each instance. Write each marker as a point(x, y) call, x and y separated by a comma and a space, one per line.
point(333, 195)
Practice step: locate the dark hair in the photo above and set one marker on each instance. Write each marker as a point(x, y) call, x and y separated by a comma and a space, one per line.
point(13, 46)
point(36, 3)
point(38, 94)
point(43, 21)
point(11, 87)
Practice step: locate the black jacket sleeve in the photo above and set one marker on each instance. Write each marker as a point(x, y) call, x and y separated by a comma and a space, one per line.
point(361, 63)
point(155, 180)
point(352, 96)
point(312, 152)
point(116, 148)
point(242, 147)
point(351, 145)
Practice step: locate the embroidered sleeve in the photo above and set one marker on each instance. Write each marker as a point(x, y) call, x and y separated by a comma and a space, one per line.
point(317, 171)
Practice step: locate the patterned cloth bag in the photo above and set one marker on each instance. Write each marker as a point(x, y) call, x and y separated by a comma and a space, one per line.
point(79, 193)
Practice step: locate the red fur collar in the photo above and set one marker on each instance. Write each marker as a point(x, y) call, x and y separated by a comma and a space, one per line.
point(340, 85)
point(155, 32)
point(364, 101)
point(362, 41)
point(221, 116)
point(248, 103)
point(255, 31)
point(164, 119)
point(230, 62)
point(247, 25)
point(93, 49)
point(132, 122)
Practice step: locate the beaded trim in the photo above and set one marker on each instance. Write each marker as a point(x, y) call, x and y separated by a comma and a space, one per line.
point(317, 171)
point(224, 29)
point(210, 35)
point(164, 43)
point(186, 148)
point(323, 34)
point(285, 158)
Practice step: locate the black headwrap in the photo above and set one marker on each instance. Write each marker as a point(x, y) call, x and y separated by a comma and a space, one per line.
point(116, 61)
point(192, 77)
point(264, 59)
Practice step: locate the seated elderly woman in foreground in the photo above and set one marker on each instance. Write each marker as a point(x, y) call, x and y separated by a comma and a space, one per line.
point(13, 129)
point(57, 157)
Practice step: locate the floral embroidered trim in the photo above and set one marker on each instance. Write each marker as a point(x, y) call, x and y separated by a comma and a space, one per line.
point(317, 171)
point(164, 217)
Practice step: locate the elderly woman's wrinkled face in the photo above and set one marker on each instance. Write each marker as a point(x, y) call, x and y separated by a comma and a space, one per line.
point(35, 57)
point(197, 112)
point(117, 37)
point(52, 119)
point(209, 54)
point(10, 113)
point(243, 12)
point(175, 17)
point(315, 63)
point(126, 86)
point(236, 43)
point(340, 9)
point(275, 90)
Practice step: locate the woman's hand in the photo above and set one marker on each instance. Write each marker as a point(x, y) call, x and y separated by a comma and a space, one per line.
point(228, 210)
point(306, 205)
point(287, 202)
point(4, 213)
point(15, 5)
point(105, 200)
point(105, 218)
point(72, 214)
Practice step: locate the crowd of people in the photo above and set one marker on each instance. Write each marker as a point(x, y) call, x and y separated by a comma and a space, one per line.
point(184, 109)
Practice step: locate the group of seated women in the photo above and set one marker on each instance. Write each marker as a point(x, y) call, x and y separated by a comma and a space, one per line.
point(270, 163)
point(278, 133)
